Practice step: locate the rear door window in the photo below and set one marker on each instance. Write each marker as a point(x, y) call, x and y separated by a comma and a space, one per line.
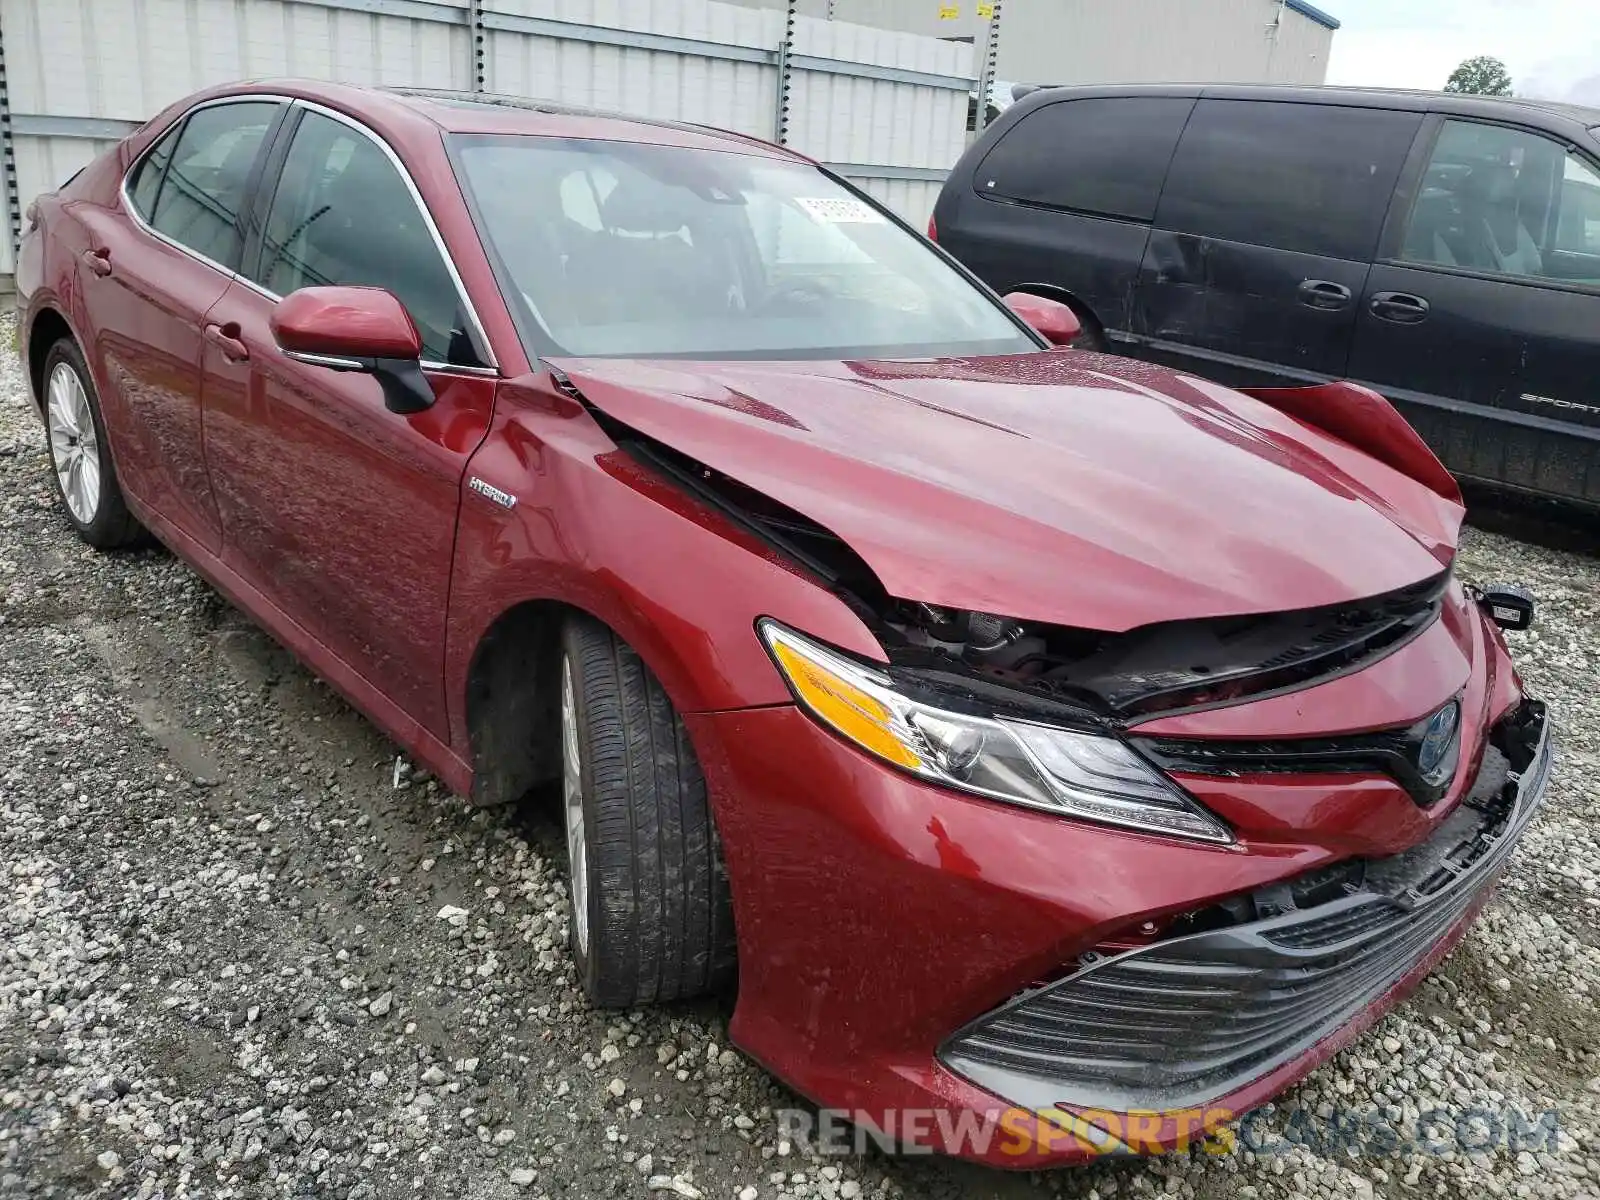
point(1105, 156)
point(197, 200)
point(1310, 178)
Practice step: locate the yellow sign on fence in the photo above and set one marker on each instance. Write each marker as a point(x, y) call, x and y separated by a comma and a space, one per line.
point(985, 11)
point(949, 12)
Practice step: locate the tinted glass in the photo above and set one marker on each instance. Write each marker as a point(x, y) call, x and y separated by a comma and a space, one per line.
point(1509, 202)
point(1579, 226)
point(147, 175)
point(1311, 178)
point(204, 189)
point(342, 214)
point(1105, 156)
point(619, 248)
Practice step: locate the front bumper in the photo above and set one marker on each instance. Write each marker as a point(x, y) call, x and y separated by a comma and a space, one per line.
point(1174, 1025)
point(883, 923)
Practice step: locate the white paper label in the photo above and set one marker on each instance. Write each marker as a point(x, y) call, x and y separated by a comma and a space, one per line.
point(840, 210)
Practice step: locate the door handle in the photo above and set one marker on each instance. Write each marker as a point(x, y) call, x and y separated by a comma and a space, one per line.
point(98, 261)
point(226, 338)
point(1324, 294)
point(1402, 308)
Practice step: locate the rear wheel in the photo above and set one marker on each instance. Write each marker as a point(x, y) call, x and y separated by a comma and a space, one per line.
point(86, 482)
point(651, 915)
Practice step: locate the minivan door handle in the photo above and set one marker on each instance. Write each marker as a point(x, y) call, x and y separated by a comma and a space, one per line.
point(1324, 294)
point(1400, 307)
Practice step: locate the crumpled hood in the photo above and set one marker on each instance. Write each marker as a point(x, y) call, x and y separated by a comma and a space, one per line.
point(1070, 488)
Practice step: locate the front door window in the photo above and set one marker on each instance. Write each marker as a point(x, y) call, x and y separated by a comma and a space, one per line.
point(1507, 202)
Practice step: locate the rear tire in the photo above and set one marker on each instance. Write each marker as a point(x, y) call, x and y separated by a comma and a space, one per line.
point(80, 454)
point(651, 919)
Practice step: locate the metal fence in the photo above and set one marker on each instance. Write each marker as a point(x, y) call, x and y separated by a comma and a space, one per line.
point(886, 109)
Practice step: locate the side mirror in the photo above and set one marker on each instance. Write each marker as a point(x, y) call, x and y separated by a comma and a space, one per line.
point(1051, 319)
point(356, 329)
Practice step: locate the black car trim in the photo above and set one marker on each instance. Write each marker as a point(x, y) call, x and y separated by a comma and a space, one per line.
point(1391, 752)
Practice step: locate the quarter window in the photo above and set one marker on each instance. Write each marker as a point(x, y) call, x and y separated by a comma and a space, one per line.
point(196, 198)
point(342, 214)
point(147, 176)
point(1310, 178)
point(1103, 156)
point(1508, 202)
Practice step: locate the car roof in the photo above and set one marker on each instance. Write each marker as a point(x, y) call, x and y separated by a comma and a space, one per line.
point(1557, 115)
point(391, 110)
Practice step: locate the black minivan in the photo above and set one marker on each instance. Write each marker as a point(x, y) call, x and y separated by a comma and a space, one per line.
point(1443, 249)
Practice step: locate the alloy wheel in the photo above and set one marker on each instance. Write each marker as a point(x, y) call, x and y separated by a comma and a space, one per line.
point(74, 448)
point(572, 796)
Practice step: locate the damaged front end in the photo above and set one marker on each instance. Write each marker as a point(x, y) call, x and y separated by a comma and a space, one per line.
point(1292, 754)
point(1257, 980)
point(1120, 677)
point(1031, 712)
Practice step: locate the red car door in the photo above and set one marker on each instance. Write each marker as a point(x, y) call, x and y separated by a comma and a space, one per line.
point(341, 512)
point(155, 264)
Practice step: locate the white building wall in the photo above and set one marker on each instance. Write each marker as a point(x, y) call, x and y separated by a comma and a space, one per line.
point(1119, 41)
point(886, 108)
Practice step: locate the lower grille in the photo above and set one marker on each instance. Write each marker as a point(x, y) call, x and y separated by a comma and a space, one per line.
point(1187, 1021)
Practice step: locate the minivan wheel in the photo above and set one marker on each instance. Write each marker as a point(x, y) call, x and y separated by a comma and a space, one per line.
point(86, 482)
point(651, 915)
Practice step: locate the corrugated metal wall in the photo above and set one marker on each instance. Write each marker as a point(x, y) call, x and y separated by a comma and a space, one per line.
point(1124, 41)
point(888, 109)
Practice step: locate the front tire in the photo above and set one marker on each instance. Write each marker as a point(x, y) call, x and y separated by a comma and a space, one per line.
point(651, 919)
point(80, 455)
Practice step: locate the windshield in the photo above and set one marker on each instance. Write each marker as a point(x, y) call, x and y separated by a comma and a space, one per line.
point(634, 250)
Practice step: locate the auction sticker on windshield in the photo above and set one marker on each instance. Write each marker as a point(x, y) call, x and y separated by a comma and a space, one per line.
point(840, 210)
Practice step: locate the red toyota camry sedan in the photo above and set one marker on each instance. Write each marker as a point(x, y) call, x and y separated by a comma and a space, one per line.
point(1041, 739)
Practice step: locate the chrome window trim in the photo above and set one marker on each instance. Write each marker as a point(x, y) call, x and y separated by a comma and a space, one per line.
point(127, 197)
point(427, 218)
point(336, 362)
point(123, 194)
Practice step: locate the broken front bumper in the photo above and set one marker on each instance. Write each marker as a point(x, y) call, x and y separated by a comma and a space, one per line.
point(1177, 1024)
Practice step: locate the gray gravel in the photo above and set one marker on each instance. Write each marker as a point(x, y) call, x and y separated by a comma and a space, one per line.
point(237, 960)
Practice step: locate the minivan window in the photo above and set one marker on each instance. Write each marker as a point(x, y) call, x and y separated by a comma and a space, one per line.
point(1311, 178)
point(199, 197)
point(1579, 227)
point(1105, 156)
point(1508, 202)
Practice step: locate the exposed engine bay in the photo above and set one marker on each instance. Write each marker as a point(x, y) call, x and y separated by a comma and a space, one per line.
point(1173, 665)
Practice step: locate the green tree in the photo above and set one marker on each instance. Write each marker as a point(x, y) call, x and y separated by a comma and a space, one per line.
point(1481, 76)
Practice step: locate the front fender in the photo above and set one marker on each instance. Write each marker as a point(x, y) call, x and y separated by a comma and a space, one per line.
point(594, 530)
point(1367, 421)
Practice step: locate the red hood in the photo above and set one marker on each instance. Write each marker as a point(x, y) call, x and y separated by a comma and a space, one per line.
point(1069, 488)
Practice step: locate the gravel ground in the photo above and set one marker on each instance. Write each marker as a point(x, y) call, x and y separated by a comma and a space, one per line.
point(236, 959)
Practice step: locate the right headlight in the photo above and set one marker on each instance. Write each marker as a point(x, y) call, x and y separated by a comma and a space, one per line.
point(1067, 771)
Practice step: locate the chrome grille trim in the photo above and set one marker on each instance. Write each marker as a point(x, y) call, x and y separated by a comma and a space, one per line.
point(1187, 1021)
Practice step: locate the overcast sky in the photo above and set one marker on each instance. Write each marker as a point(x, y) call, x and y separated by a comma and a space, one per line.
point(1550, 47)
